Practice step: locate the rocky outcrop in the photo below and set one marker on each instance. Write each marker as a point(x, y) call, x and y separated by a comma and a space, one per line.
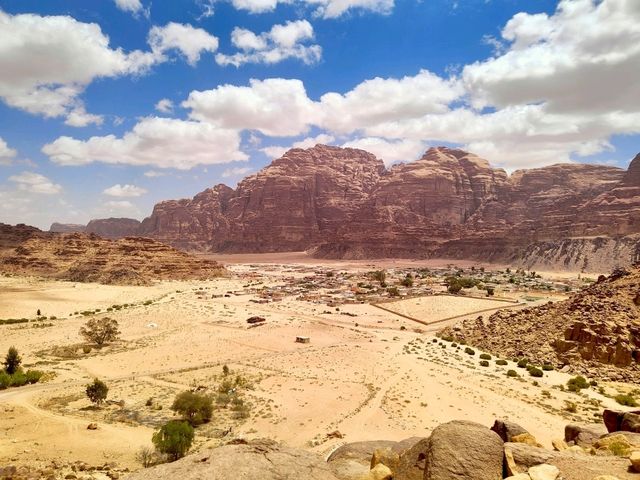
point(67, 228)
point(596, 331)
point(258, 459)
point(342, 202)
point(88, 258)
point(113, 227)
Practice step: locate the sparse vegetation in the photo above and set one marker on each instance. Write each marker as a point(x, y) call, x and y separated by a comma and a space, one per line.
point(174, 439)
point(12, 361)
point(626, 400)
point(512, 373)
point(100, 331)
point(577, 383)
point(97, 391)
point(196, 408)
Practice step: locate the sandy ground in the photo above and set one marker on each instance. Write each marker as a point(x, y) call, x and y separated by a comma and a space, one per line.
point(367, 373)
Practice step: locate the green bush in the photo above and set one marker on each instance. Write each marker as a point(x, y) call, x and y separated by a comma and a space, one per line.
point(547, 367)
point(196, 408)
point(626, 400)
point(522, 363)
point(484, 363)
point(5, 380)
point(12, 361)
point(469, 351)
point(485, 356)
point(576, 384)
point(174, 439)
point(512, 373)
point(535, 372)
point(501, 362)
point(97, 391)
point(18, 379)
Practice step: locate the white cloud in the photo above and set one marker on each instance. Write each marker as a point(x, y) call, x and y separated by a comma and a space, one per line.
point(78, 117)
point(188, 40)
point(124, 191)
point(323, 8)
point(153, 174)
point(390, 151)
point(165, 106)
point(276, 151)
point(278, 44)
point(47, 61)
point(274, 106)
point(6, 153)
point(235, 172)
point(116, 208)
point(161, 142)
point(132, 6)
point(35, 183)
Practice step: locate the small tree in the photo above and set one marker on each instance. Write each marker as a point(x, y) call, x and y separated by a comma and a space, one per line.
point(174, 439)
point(100, 330)
point(12, 361)
point(407, 281)
point(196, 408)
point(97, 391)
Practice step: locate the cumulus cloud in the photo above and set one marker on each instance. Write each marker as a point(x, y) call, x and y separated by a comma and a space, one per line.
point(322, 8)
point(6, 153)
point(124, 191)
point(47, 61)
point(160, 142)
point(132, 6)
point(165, 106)
point(274, 106)
point(35, 183)
point(390, 151)
point(189, 41)
point(235, 172)
point(276, 151)
point(278, 44)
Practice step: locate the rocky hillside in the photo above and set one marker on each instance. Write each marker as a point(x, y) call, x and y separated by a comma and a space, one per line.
point(342, 202)
point(88, 258)
point(595, 331)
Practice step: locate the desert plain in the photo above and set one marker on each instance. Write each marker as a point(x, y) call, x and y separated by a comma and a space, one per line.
point(373, 368)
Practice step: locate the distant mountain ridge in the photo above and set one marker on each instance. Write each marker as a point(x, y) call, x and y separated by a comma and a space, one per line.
point(343, 203)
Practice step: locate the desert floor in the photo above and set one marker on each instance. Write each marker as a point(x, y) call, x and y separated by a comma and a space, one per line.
point(368, 373)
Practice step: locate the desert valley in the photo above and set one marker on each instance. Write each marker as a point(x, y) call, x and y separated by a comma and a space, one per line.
point(320, 240)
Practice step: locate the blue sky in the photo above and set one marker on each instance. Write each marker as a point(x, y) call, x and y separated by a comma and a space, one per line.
point(107, 107)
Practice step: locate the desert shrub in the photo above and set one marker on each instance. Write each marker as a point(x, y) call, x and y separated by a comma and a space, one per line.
point(535, 372)
point(454, 288)
point(380, 276)
point(547, 367)
point(490, 291)
point(571, 407)
point(407, 281)
point(626, 400)
point(435, 340)
point(522, 363)
point(196, 408)
point(12, 361)
point(225, 370)
point(512, 373)
point(393, 291)
point(454, 344)
point(226, 386)
point(447, 338)
point(485, 356)
point(149, 402)
point(18, 379)
point(33, 376)
point(469, 351)
point(484, 363)
point(619, 448)
point(240, 409)
point(147, 302)
point(223, 399)
point(174, 439)
point(576, 384)
point(501, 362)
point(97, 391)
point(5, 380)
point(100, 330)
point(148, 457)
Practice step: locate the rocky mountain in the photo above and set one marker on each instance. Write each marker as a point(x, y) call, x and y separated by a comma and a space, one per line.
point(596, 331)
point(66, 227)
point(89, 258)
point(343, 203)
point(113, 227)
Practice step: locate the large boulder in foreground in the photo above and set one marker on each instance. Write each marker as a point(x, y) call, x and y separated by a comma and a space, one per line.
point(258, 459)
point(462, 450)
point(617, 420)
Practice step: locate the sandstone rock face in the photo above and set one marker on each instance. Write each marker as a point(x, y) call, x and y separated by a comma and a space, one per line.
point(88, 258)
point(343, 203)
point(461, 450)
point(506, 429)
point(583, 435)
point(113, 227)
point(620, 421)
point(596, 331)
point(258, 459)
point(66, 228)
